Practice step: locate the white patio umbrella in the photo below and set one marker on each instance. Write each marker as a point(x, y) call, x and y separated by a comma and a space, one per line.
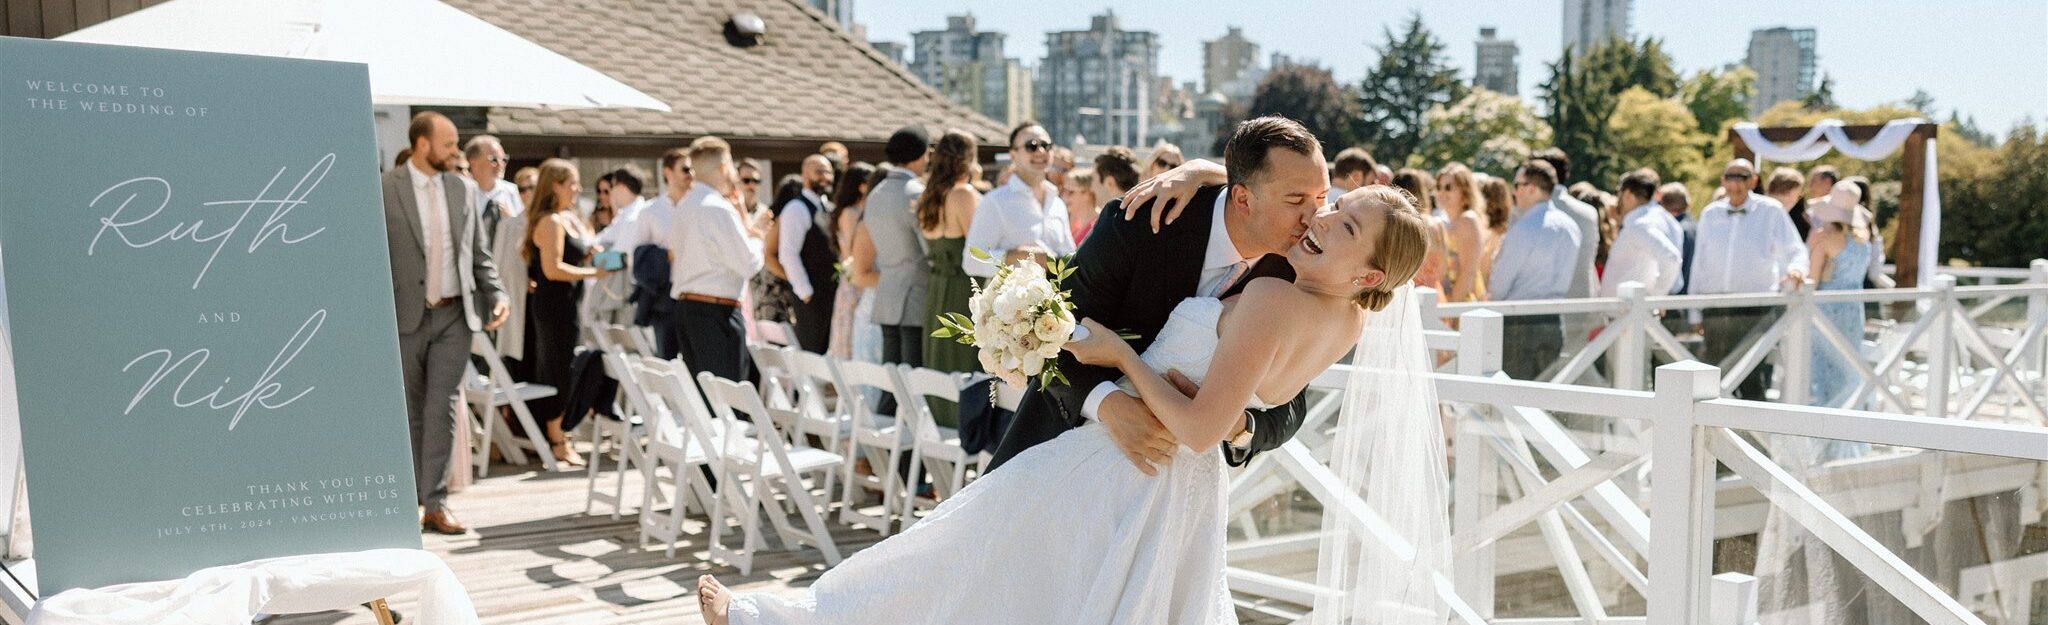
point(420, 52)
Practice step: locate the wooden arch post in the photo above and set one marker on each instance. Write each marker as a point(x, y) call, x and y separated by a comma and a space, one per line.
point(1912, 188)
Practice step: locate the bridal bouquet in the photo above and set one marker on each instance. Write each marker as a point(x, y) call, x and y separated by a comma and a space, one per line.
point(1020, 318)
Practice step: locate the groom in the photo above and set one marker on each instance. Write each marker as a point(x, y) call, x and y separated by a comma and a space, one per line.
point(1130, 278)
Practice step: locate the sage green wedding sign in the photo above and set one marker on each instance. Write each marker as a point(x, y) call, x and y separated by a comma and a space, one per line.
point(200, 300)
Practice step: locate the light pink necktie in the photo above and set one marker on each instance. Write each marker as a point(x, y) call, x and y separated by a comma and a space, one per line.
point(437, 239)
point(1229, 277)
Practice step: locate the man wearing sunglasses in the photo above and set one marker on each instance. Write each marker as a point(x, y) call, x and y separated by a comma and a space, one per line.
point(1025, 218)
point(1746, 244)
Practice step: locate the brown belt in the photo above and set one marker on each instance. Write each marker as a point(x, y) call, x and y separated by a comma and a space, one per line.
point(708, 299)
point(437, 303)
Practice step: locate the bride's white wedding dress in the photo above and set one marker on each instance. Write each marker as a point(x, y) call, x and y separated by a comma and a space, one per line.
point(1070, 532)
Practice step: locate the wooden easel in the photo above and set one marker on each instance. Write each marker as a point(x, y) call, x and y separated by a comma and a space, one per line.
point(382, 610)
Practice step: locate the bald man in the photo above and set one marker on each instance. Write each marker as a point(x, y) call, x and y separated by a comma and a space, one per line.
point(808, 252)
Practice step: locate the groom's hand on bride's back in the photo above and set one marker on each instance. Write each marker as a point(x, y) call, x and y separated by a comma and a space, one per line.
point(1136, 431)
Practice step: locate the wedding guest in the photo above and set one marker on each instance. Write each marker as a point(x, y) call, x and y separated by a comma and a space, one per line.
point(944, 213)
point(835, 151)
point(1078, 192)
point(891, 225)
point(807, 251)
point(556, 249)
point(1436, 261)
point(443, 280)
point(1383, 174)
point(1576, 326)
point(714, 252)
point(526, 178)
point(1165, 157)
point(602, 201)
point(1500, 204)
point(1062, 163)
point(849, 194)
point(606, 301)
point(1352, 169)
point(1025, 218)
point(1536, 261)
point(1875, 278)
point(649, 254)
point(1746, 245)
point(773, 298)
point(1647, 251)
point(1839, 254)
point(1788, 187)
point(1676, 201)
point(1457, 195)
point(501, 210)
point(1820, 181)
point(750, 189)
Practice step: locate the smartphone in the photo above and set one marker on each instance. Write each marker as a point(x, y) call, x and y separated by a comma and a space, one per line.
point(610, 260)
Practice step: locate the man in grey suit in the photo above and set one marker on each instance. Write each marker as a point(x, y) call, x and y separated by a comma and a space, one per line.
point(899, 250)
point(443, 282)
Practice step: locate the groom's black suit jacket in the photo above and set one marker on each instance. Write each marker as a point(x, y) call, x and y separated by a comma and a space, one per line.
point(1129, 279)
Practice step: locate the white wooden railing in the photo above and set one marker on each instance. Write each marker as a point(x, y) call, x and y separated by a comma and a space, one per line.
point(1505, 432)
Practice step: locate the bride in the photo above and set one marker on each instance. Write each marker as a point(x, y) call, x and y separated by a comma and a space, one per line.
point(1070, 531)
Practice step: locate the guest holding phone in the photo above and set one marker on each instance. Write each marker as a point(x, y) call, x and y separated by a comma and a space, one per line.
point(557, 245)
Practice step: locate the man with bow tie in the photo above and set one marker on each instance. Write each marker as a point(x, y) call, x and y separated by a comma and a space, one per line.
point(1746, 244)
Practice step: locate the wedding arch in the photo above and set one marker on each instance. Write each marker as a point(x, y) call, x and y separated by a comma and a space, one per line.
point(1919, 195)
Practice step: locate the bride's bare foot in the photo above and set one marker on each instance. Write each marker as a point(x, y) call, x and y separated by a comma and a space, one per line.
point(713, 599)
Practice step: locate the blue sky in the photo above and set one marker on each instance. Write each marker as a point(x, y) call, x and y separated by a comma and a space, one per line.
point(1988, 58)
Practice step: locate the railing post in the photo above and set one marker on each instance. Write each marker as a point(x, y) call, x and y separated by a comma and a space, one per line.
point(1630, 355)
point(1682, 495)
point(1940, 346)
point(2037, 311)
point(1734, 600)
point(1795, 353)
point(1476, 475)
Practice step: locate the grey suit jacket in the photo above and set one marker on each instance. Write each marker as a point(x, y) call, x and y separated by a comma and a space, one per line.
point(407, 240)
point(899, 249)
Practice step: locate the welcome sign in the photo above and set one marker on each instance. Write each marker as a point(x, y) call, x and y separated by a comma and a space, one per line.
point(204, 342)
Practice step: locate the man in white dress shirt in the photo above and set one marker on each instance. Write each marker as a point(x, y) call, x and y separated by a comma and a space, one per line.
point(503, 215)
point(712, 253)
point(604, 299)
point(1746, 244)
point(1648, 251)
point(1025, 217)
point(1353, 168)
point(805, 249)
point(647, 252)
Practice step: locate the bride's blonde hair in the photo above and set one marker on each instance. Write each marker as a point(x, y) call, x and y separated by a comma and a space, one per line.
point(1403, 242)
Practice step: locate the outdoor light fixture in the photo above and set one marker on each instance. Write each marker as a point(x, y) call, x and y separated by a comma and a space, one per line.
point(745, 30)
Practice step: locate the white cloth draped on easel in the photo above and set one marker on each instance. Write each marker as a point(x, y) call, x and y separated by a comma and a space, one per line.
point(288, 585)
point(1828, 135)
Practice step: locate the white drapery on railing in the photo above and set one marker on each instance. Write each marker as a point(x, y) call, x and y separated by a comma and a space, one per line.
point(1828, 135)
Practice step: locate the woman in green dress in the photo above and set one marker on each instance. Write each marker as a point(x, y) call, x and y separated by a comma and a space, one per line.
point(943, 214)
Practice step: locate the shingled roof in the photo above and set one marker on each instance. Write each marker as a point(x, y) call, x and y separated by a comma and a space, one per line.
point(807, 80)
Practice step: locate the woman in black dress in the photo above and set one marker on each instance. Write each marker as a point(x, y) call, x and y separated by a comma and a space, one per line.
point(558, 243)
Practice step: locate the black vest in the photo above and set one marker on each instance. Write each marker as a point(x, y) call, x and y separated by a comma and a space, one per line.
point(819, 254)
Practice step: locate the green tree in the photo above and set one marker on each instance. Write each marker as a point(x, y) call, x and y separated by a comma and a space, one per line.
point(1305, 93)
point(1582, 93)
point(1716, 98)
point(1658, 133)
point(1488, 131)
point(1413, 75)
point(1823, 97)
point(1997, 218)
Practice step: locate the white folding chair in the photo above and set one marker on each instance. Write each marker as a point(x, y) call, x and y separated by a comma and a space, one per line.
point(757, 472)
point(822, 406)
point(938, 449)
point(485, 394)
point(680, 436)
point(628, 433)
point(778, 380)
point(875, 438)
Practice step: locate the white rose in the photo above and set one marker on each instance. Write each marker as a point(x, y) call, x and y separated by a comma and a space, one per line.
point(1033, 364)
point(1049, 350)
point(1008, 360)
point(1028, 343)
point(1048, 328)
point(1010, 308)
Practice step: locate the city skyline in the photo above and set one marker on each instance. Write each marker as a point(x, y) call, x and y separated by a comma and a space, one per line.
point(1872, 58)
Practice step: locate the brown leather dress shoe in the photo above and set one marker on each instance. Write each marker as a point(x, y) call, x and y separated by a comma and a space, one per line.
point(443, 522)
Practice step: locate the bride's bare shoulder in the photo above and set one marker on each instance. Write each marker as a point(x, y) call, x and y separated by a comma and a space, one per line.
point(1277, 306)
